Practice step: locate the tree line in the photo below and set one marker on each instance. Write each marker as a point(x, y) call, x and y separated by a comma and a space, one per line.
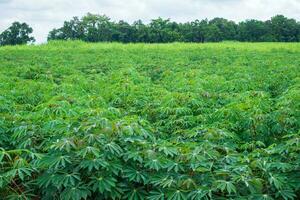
point(100, 28)
point(96, 28)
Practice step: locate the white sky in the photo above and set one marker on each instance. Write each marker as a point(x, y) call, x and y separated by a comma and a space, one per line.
point(44, 15)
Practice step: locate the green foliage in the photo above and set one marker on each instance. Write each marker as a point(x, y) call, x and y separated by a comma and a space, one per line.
point(99, 28)
point(174, 121)
point(17, 33)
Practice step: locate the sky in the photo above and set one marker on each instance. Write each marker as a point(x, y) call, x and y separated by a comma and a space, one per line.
point(44, 15)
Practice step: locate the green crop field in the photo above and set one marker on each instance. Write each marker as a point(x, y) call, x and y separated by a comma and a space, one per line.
point(150, 121)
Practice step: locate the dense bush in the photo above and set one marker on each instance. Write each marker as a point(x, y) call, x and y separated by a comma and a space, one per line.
point(178, 121)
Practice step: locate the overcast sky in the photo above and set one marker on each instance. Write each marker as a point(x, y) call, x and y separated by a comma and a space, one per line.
point(44, 15)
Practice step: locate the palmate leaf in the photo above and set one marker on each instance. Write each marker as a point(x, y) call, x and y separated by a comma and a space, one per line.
point(177, 195)
point(89, 150)
point(4, 154)
point(26, 143)
point(19, 131)
point(116, 193)
point(255, 185)
point(54, 161)
point(25, 195)
point(277, 181)
point(199, 194)
point(135, 175)
point(169, 151)
point(103, 183)
point(211, 154)
point(46, 179)
point(201, 164)
point(22, 172)
point(113, 148)
point(281, 166)
point(133, 155)
point(92, 138)
point(196, 156)
point(92, 164)
point(58, 180)
point(2, 181)
point(286, 194)
point(156, 195)
point(164, 182)
point(20, 162)
point(225, 186)
point(136, 139)
point(174, 166)
point(64, 144)
point(78, 192)
point(50, 193)
point(182, 111)
point(261, 197)
point(188, 183)
point(35, 156)
point(154, 164)
point(9, 175)
point(57, 126)
point(66, 180)
point(135, 194)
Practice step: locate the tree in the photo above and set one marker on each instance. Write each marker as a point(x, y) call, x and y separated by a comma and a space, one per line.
point(97, 28)
point(123, 32)
point(213, 33)
point(73, 29)
point(227, 29)
point(283, 29)
point(163, 30)
point(194, 31)
point(141, 32)
point(17, 33)
point(252, 31)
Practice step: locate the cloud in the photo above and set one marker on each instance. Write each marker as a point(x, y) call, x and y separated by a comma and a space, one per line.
point(44, 15)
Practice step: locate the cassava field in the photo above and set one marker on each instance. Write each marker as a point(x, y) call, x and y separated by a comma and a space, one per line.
point(150, 121)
